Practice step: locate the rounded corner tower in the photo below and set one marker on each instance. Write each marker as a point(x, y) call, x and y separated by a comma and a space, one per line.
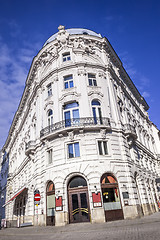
point(75, 138)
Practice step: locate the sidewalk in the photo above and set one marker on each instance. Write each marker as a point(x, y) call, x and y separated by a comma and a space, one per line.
point(143, 228)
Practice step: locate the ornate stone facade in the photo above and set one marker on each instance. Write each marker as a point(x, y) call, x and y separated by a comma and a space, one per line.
point(81, 137)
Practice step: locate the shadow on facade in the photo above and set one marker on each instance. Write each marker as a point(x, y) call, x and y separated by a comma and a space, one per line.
point(3, 183)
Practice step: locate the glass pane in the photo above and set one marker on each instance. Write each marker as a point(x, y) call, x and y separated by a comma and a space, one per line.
point(94, 115)
point(75, 114)
point(84, 206)
point(105, 148)
point(50, 212)
point(68, 77)
point(77, 182)
point(90, 82)
point(95, 102)
point(91, 75)
point(71, 84)
point(112, 206)
point(71, 105)
point(94, 82)
point(100, 147)
point(51, 201)
point(66, 85)
point(76, 148)
point(83, 200)
point(70, 150)
point(100, 115)
point(67, 119)
point(75, 207)
point(50, 112)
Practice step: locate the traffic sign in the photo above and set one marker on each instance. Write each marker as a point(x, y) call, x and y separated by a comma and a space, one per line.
point(37, 197)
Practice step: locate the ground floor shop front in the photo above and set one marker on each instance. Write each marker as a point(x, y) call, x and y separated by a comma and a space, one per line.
point(81, 200)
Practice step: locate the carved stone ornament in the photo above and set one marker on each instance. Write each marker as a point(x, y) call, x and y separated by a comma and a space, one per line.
point(103, 133)
point(71, 135)
point(81, 71)
point(63, 35)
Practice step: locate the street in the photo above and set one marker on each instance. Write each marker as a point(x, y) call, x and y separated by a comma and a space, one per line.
point(146, 228)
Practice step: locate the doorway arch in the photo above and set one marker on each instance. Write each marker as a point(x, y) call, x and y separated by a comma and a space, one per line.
point(78, 201)
point(50, 204)
point(111, 198)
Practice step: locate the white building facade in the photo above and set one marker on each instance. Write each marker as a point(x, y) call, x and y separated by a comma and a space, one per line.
point(81, 137)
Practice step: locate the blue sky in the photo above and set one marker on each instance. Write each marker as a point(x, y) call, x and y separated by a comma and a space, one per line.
point(131, 26)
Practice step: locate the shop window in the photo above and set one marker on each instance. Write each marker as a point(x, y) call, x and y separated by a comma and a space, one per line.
point(92, 80)
point(68, 81)
point(66, 57)
point(73, 150)
point(49, 90)
point(102, 147)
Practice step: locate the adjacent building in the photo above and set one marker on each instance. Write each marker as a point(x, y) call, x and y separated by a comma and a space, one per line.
point(81, 138)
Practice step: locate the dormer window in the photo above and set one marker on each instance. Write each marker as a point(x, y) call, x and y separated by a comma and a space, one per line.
point(92, 79)
point(66, 57)
point(49, 89)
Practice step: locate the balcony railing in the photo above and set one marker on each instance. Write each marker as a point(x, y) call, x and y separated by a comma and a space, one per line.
point(130, 130)
point(75, 123)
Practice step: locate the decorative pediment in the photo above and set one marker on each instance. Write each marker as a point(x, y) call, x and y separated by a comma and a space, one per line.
point(94, 92)
point(70, 96)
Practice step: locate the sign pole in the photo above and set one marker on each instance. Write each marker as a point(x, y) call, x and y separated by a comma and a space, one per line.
point(37, 213)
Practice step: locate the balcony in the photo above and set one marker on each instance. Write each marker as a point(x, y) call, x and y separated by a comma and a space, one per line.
point(130, 131)
point(71, 124)
point(30, 147)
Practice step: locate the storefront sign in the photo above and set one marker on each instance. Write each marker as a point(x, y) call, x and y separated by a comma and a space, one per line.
point(59, 204)
point(97, 199)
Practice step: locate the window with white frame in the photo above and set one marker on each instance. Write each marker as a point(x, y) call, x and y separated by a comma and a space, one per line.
point(92, 79)
point(73, 150)
point(50, 117)
point(49, 89)
point(68, 81)
point(97, 113)
point(50, 156)
point(102, 148)
point(66, 57)
point(71, 114)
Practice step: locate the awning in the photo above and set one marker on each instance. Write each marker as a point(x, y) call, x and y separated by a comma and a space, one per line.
point(16, 195)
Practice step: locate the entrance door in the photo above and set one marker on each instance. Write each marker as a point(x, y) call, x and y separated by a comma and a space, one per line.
point(111, 199)
point(78, 201)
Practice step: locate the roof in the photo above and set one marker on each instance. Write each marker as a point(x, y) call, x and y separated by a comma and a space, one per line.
point(74, 31)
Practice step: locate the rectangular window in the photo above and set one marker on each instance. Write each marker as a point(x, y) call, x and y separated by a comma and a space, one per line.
point(102, 147)
point(73, 150)
point(68, 82)
point(50, 156)
point(92, 80)
point(66, 57)
point(49, 89)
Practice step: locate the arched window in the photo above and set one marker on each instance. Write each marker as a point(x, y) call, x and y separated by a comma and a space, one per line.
point(111, 198)
point(71, 114)
point(50, 117)
point(50, 187)
point(77, 182)
point(50, 203)
point(97, 114)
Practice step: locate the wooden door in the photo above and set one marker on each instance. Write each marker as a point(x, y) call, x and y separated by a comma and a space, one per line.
point(79, 206)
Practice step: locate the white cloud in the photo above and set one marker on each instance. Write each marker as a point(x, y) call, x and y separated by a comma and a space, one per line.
point(14, 67)
point(146, 94)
